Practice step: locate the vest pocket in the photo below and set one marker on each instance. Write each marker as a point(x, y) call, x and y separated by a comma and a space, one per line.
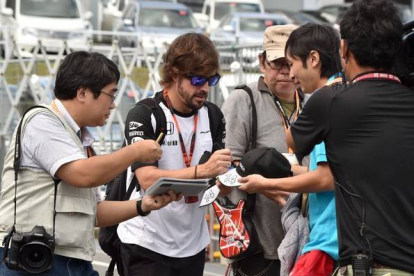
point(75, 221)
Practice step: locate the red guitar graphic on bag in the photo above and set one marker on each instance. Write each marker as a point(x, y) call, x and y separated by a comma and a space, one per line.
point(234, 239)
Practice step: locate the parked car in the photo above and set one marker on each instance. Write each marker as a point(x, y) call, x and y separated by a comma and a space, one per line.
point(49, 20)
point(214, 10)
point(303, 17)
point(156, 23)
point(8, 26)
point(244, 29)
point(339, 10)
point(112, 11)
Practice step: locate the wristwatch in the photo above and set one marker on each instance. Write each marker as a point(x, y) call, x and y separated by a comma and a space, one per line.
point(139, 208)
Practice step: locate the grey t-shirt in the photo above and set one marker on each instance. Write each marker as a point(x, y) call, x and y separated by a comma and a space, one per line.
point(270, 133)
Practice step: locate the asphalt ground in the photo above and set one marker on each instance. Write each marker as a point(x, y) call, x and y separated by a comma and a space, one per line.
point(101, 262)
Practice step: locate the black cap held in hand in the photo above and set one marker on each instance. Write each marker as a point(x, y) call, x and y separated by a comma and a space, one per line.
point(267, 162)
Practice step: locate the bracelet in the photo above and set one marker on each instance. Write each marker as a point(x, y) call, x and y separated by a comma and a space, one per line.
point(139, 208)
point(195, 172)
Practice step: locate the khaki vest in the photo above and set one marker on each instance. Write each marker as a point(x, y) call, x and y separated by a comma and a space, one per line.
point(75, 207)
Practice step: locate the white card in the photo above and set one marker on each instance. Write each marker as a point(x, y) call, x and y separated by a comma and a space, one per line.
point(230, 178)
point(291, 157)
point(209, 196)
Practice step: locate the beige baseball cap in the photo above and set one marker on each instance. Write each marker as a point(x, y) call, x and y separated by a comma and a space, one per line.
point(274, 40)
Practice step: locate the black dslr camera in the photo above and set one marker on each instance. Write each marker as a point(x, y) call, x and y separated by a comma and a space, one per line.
point(404, 62)
point(30, 251)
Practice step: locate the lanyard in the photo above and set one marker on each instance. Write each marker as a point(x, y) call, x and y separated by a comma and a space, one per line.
point(285, 119)
point(282, 113)
point(377, 76)
point(335, 79)
point(187, 159)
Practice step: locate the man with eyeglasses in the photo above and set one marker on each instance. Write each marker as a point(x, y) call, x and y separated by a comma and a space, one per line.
point(172, 242)
point(278, 103)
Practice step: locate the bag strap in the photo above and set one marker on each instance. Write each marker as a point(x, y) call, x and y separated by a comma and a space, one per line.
point(253, 138)
point(16, 168)
point(111, 268)
point(213, 111)
point(251, 198)
point(132, 185)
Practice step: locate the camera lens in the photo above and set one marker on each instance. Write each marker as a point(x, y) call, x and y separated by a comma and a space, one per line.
point(36, 257)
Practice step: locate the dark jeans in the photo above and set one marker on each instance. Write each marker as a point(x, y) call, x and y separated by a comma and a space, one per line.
point(256, 265)
point(61, 266)
point(139, 261)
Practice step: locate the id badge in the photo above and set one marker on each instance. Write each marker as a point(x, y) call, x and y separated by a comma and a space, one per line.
point(291, 157)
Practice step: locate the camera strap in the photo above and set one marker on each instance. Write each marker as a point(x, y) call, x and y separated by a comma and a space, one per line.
point(16, 167)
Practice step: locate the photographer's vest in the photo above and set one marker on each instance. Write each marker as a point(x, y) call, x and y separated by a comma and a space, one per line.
point(75, 207)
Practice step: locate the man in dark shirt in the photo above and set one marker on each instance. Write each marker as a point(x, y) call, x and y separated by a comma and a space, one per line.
point(368, 129)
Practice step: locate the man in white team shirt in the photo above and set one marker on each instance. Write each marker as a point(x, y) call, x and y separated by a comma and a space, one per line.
point(172, 242)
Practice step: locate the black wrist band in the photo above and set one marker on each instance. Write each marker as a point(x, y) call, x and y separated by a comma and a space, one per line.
point(139, 208)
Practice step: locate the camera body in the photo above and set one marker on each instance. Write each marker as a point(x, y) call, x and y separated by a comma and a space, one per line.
point(361, 264)
point(31, 251)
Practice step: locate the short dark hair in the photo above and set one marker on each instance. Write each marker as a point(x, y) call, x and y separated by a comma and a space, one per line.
point(321, 38)
point(190, 53)
point(372, 30)
point(82, 69)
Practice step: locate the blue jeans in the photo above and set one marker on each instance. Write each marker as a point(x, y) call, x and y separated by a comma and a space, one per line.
point(61, 266)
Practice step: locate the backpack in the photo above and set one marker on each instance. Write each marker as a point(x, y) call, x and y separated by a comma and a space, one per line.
point(237, 237)
point(116, 188)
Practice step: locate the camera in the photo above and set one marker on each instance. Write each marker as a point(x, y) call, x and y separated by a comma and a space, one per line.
point(31, 251)
point(361, 265)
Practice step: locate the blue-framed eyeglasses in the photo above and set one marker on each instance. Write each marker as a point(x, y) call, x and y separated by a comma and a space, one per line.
point(200, 81)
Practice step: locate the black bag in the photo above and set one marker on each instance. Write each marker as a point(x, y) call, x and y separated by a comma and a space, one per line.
point(116, 188)
point(108, 236)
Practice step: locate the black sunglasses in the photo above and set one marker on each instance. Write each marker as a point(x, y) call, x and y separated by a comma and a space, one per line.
point(200, 81)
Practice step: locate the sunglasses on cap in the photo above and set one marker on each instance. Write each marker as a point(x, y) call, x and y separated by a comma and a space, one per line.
point(200, 81)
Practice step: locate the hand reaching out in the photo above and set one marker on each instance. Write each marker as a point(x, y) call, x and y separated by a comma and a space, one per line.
point(155, 202)
point(256, 183)
point(252, 183)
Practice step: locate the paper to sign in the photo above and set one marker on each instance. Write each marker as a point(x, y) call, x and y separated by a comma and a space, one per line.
point(230, 178)
point(209, 196)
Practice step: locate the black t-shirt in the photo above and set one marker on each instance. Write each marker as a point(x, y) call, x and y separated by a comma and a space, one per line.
point(368, 130)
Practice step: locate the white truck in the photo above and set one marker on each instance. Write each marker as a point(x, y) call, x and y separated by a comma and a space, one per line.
point(48, 20)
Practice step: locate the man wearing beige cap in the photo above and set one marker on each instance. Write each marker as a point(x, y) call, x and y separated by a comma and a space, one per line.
point(277, 103)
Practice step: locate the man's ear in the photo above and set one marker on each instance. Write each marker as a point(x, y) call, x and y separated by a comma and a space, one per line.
point(81, 94)
point(314, 58)
point(261, 61)
point(343, 50)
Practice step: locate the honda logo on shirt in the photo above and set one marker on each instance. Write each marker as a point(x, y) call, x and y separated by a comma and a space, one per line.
point(170, 128)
